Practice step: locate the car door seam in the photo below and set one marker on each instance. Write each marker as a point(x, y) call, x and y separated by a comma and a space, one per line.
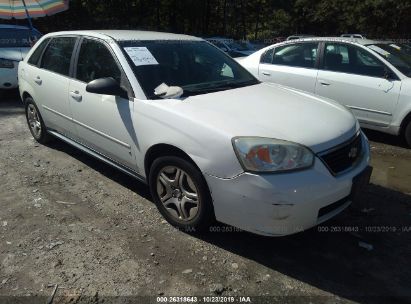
point(57, 113)
point(370, 110)
point(89, 128)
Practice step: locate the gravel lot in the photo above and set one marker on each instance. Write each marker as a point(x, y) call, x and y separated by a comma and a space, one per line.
point(70, 220)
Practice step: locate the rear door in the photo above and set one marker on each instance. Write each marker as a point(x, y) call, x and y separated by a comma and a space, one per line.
point(50, 78)
point(357, 79)
point(103, 122)
point(292, 64)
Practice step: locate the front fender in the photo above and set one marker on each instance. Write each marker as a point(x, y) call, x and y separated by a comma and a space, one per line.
point(403, 108)
point(209, 148)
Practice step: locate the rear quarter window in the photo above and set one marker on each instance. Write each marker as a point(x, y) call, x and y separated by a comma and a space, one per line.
point(35, 57)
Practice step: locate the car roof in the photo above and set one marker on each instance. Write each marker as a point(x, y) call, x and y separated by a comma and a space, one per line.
point(11, 26)
point(217, 37)
point(302, 35)
point(342, 39)
point(124, 35)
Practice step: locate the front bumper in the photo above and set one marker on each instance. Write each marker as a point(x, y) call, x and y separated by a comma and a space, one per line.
point(8, 78)
point(287, 203)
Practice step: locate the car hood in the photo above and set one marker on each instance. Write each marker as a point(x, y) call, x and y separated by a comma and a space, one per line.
point(270, 110)
point(15, 54)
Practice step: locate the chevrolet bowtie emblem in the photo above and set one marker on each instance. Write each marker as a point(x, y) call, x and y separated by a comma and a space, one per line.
point(353, 153)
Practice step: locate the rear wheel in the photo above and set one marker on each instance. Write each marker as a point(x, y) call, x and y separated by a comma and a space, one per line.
point(181, 194)
point(35, 122)
point(407, 134)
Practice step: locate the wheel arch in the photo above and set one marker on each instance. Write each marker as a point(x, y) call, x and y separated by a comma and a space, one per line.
point(404, 123)
point(159, 150)
point(25, 95)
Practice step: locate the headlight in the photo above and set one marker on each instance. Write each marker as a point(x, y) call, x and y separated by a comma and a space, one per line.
point(259, 154)
point(6, 64)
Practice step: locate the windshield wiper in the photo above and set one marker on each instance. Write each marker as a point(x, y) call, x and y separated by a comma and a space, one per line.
point(153, 96)
point(220, 87)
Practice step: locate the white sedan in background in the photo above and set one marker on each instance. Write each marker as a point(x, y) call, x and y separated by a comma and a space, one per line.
point(15, 43)
point(208, 138)
point(370, 77)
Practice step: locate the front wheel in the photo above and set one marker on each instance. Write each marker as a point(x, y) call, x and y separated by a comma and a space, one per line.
point(181, 194)
point(407, 134)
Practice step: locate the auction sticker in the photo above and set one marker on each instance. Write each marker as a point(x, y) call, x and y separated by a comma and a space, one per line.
point(141, 56)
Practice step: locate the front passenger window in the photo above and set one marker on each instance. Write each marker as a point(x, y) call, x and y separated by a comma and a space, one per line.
point(96, 61)
point(346, 58)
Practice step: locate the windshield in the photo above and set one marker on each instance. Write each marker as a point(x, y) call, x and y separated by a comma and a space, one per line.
point(396, 54)
point(195, 66)
point(10, 37)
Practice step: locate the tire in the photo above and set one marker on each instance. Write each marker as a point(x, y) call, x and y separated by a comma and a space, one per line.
point(35, 122)
point(407, 134)
point(181, 194)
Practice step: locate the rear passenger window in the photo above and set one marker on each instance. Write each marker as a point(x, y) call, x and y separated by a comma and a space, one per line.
point(35, 57)
point(96, 61)
point(267, 57)
point(351, 59)
point(296, 55)
point(57, 56)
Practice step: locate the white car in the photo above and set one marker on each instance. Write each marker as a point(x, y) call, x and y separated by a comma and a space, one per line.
point(296, 37)
point(358, 36)
point(370, 77)
point(15, 43)
point(209, 139)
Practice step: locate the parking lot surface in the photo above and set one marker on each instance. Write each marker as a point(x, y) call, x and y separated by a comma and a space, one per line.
point(68, 219)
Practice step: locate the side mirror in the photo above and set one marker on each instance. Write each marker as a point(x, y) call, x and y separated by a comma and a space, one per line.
point(164, 91)
point(106, 86)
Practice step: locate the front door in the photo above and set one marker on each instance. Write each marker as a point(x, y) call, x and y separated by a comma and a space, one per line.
point(357, 79)
point(103, 122)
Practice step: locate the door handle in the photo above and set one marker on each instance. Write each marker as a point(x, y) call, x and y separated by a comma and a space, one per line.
point(324, 83)
point(38, 80)
point(266, 73)
point(76, 95)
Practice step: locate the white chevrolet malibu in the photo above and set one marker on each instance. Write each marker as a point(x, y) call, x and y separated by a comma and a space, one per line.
point(209, 139)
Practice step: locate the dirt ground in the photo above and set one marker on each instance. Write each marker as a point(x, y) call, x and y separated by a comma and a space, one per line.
point(68, 219)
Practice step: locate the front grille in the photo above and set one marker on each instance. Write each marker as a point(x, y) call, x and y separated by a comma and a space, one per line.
point(343, 157)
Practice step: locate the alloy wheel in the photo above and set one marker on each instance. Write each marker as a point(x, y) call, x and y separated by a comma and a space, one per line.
point(178, 193)
point(34, 120)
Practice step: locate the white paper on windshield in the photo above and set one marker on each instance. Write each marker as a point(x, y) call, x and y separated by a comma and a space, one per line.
point(395, 46)
point(141, 56)
point(379, 50)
